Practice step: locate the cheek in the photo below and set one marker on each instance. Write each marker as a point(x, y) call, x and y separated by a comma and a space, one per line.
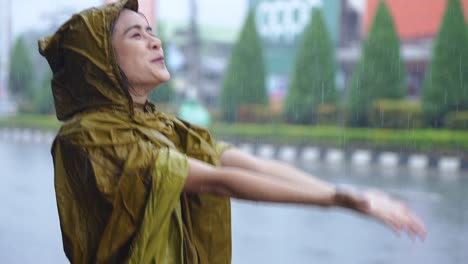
point(129, 60)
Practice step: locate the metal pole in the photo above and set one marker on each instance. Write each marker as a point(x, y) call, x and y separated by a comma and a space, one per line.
point(5, 41)
point(194, 49)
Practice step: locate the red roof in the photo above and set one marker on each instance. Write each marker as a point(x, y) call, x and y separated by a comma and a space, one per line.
point(413, 18)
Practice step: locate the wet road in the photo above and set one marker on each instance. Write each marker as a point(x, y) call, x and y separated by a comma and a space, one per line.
point(30, 233)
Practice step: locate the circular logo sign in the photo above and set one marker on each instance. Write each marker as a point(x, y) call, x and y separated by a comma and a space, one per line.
point(284, 19)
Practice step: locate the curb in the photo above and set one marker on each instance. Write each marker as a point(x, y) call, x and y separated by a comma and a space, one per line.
point(358, 158)
point(291, 153)
point(26, 135)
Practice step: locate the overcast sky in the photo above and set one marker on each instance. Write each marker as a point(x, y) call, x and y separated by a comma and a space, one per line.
point(211, 12)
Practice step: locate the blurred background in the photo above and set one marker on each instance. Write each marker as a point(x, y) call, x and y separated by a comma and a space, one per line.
point(366, 92)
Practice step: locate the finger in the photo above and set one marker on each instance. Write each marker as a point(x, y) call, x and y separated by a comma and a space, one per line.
point(418, 227)
point(409, 225)
point(396, 228)
point(421, 227)
point(412, 229)
point(395, 225)
point(402, 219)
point(413, 225)
point(412, 232)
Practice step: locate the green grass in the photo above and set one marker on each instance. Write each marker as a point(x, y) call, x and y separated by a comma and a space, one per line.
point(41, 122)
point(430, 141)
point(425, 140)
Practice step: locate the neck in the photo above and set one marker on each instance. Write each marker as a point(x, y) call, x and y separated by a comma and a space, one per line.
point(139, 97)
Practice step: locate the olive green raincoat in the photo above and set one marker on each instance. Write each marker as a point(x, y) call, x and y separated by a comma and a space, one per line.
point(119, 174)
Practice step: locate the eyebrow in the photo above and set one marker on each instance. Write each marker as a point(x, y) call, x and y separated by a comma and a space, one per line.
point(139, 27)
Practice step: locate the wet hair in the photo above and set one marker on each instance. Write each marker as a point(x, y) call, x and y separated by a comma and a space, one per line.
point(123, 76)
point(112, 25)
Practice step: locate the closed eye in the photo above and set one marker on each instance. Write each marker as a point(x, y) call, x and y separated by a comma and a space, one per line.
point(149, 30)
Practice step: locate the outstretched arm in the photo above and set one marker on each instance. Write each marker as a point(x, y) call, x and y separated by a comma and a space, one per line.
point(249, 185)
point(253, 178)
point(279, 170)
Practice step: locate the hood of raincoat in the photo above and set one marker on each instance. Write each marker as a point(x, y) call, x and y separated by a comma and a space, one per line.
point(85, 71)
point(119, 174)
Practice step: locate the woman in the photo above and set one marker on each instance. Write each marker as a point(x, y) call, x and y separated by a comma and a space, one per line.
point(136, 185)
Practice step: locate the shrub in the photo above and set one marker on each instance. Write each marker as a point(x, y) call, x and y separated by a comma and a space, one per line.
point(427, 140)
point(215, 113)
point(457, 120)
point(257, 114)
point(400, 114)
point(326, 114)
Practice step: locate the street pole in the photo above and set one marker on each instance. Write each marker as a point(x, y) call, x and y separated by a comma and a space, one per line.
point(194, 48)
point(5, 42)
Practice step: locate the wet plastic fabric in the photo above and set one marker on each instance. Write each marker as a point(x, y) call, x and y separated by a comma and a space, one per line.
point(119, 174)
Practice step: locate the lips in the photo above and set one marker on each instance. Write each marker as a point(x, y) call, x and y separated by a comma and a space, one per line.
point(158, 60)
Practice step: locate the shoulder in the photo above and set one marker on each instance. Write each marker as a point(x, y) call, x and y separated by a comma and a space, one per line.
point(97, 128)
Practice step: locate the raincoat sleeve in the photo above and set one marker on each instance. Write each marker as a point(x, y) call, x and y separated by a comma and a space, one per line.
point(207, 218)
point(117, 199)
point(199, 142)
point(221, 146)
point(160, 237)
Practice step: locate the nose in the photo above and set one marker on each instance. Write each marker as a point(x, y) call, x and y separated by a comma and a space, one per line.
point(155, 43)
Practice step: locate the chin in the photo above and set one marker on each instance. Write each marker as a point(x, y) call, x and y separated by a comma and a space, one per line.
point(163, 79)
point(167, 76)
point(162, 75)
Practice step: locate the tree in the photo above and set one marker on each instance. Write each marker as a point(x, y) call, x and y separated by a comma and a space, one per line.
point(22, 75)
point(313, 76)
point(164, 93)
point(244, 81)
point(43, 101)
point(445, 87)
point(380, 73)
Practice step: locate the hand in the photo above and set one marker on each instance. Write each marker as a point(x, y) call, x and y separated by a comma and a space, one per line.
point(379, 205)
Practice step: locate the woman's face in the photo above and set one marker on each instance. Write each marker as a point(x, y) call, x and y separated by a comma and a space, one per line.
point(138, 52)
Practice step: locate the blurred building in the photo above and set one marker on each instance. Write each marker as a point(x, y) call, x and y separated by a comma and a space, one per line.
point(216, 44)
point(417, 24)
point(147, 7)
point(280, 24)
point(414, 20)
